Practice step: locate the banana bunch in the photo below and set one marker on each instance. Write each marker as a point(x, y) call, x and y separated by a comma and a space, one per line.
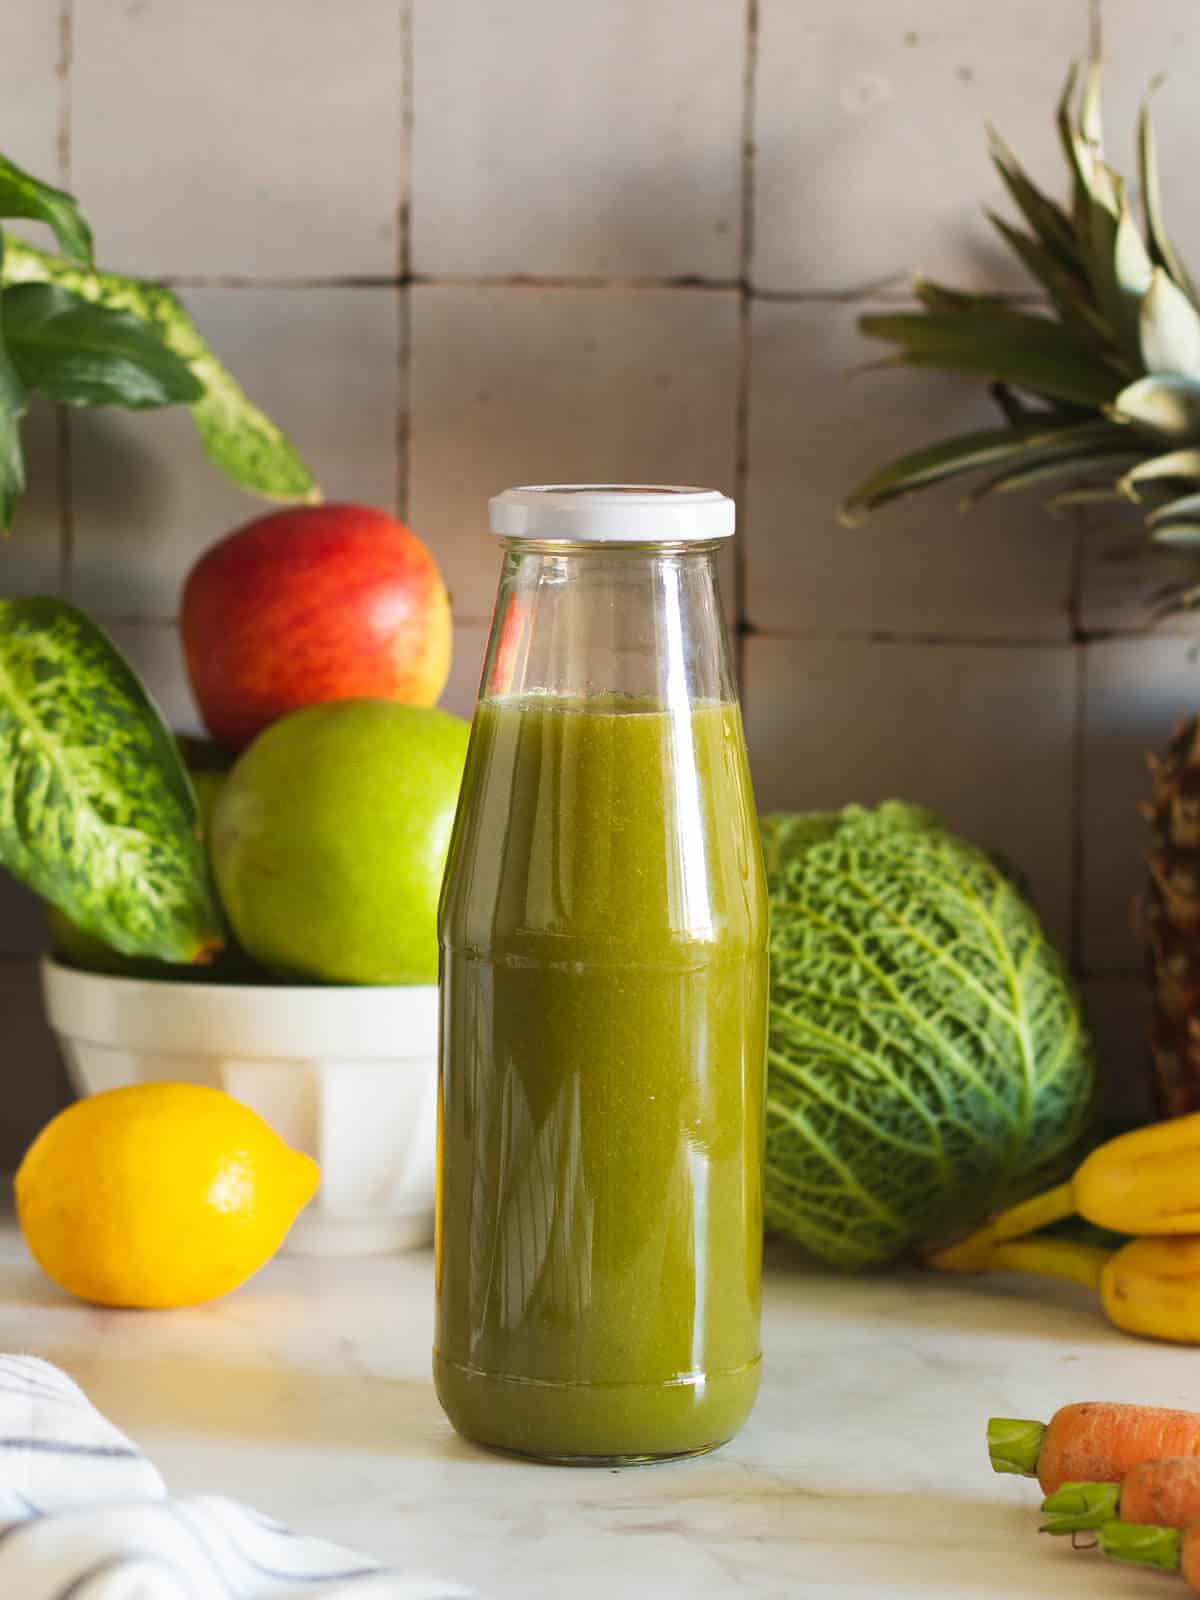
point(1145, 1183)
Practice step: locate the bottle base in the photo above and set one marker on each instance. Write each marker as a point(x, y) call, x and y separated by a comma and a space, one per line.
point(596, 1425)
point(545, 1459)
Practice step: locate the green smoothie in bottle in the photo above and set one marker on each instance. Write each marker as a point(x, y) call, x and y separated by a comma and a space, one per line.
point(603, 935)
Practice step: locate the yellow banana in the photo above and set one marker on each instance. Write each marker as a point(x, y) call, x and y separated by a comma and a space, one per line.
point(1151, 1286)
point(1147, 1181)
point(1144, 1182)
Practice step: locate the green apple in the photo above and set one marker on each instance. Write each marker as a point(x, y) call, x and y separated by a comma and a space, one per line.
point(330, 836)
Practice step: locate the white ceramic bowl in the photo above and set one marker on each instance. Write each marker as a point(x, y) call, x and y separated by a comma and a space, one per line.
point(348, 1075)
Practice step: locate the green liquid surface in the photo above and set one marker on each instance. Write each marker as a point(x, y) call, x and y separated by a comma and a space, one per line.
point(603, 1018)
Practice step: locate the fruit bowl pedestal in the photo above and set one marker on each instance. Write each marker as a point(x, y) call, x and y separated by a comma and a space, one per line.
point(348, 1075)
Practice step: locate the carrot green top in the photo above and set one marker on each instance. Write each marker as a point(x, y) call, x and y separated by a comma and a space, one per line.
point(1136, 1541)
point(1014, 1445)
point(1080, 1505)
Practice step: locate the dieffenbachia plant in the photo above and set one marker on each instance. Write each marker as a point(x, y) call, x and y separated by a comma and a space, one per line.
point(92, 338)
point(97, 811)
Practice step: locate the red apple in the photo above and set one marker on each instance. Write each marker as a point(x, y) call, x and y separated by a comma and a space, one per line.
point(331, 602)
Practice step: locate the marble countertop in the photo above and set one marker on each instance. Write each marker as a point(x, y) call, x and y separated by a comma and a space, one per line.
point(862, 1473)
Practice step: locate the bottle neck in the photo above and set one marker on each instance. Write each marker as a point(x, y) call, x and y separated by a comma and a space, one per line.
point(637, 621)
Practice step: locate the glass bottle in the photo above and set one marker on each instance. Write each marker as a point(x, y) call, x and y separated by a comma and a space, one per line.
point(603, 936)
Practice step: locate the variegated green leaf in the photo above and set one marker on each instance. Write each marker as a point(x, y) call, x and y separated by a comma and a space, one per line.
point(1170, 329)
point(79, 353)
point(238, 437)
point(1167, 404)
point(1161, 248)
point(97, 813)
point(23, 195)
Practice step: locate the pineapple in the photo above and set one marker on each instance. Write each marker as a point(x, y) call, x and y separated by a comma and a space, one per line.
point(1169, 920)
point(1101, 395)
point(1101, 400)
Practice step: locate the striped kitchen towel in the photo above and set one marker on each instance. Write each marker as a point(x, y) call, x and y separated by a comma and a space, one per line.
point(84, 1516)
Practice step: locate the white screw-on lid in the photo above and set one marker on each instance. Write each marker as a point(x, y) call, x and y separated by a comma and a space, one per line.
point(604, 513)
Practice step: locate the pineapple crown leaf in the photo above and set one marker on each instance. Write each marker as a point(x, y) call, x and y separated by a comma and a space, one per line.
point(1165, 407)
point(1100, 385)
point(1161, 249)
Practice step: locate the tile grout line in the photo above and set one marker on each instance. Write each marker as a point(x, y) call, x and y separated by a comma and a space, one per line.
point(885, 636)
point(404, 264)
point(62, 427)
point(688, 283)
point(1082, 653)
point(867, 636)
point(62, 68)
point(741, 447)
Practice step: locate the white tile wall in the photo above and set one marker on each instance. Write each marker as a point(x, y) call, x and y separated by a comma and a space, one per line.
point(533, 385)
point(869, 128)
point(325, 363)
point(919, 566)
point(247, 139)
point(30, 89)
point(578, 139)
point(979, 733)
point(925, 654)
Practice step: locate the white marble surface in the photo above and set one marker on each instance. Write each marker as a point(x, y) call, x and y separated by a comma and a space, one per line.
point(862, 1473)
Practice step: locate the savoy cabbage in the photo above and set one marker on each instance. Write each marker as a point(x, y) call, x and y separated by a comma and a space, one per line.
point(927, 1060)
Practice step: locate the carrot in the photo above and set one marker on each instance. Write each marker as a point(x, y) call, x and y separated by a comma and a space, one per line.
point(1095, 1441)
point(1164, 1494)
point(1168, 1549)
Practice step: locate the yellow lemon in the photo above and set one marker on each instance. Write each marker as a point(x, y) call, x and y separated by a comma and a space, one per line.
point(162, 1194)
